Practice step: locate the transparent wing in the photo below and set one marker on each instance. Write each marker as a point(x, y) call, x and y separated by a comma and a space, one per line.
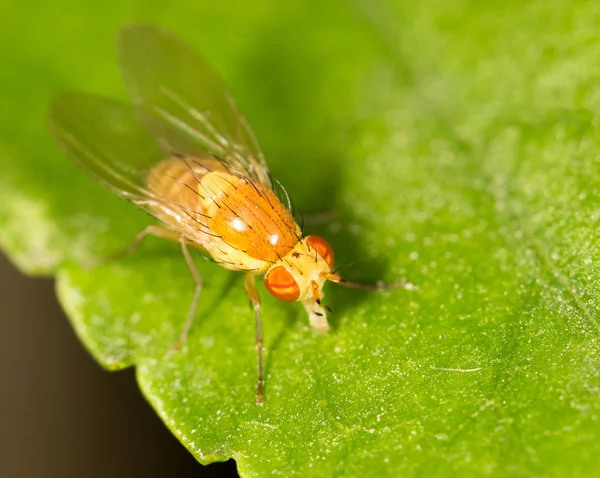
point(184, 103)
point(106, 138)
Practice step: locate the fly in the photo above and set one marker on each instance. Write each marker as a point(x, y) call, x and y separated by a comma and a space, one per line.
point(186, 155)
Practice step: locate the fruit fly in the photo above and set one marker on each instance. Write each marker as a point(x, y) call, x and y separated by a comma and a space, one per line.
point(186, 155)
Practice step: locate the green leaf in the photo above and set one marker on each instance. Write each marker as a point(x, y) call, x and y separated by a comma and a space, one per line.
point(458, 143)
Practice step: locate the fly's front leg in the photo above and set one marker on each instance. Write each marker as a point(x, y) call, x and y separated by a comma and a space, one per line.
point(250, 286)
point(379, 285)
point(197, 289)
point(137, 242)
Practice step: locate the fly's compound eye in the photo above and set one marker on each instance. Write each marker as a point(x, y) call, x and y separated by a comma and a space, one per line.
point(281, 284)
point(322, 247)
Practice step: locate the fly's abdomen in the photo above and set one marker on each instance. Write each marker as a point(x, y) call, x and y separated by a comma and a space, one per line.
point(177, 182)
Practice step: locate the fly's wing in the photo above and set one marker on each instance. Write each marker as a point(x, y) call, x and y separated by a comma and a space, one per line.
point(106, 138)
point(185, 104)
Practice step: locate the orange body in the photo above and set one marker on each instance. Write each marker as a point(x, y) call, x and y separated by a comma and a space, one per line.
point(244, 227)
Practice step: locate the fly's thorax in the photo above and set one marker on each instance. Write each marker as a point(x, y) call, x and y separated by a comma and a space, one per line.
point(249, 219)
point(215, 187)
point(232, 258)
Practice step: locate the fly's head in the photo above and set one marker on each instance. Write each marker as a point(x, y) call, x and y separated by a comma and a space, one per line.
point(300, 276)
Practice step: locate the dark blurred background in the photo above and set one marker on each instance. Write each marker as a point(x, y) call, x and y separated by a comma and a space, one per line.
point(61, 414)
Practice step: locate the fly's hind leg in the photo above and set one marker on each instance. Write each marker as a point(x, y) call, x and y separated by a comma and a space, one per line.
point(197, 289)
point(250, 286)
point(152, 230)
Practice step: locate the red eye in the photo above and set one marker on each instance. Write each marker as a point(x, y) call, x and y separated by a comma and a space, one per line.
point(322, 247)
point(281, 284)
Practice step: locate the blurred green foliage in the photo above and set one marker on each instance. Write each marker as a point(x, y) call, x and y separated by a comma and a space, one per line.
point(458, 144)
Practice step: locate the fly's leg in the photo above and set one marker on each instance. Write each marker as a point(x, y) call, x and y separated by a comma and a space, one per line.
point(197, 289)
point(163, 233)
point(137, 242)
point(250, 286)
point(379, 285)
